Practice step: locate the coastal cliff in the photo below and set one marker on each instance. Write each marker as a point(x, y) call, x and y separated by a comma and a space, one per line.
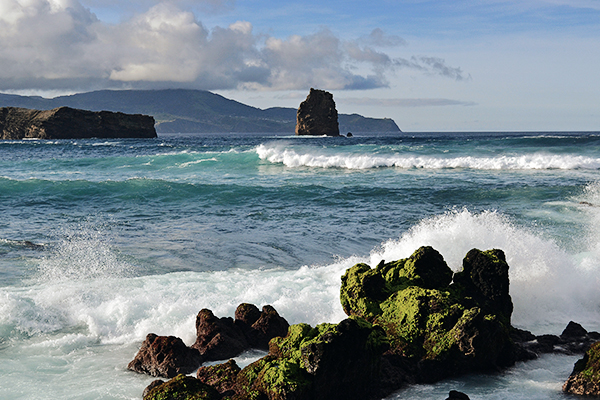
point(69, 123)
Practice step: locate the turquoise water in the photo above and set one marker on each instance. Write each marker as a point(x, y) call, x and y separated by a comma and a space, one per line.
point(104, 241)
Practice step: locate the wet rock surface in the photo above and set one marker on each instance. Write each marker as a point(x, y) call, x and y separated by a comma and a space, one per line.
point(223, 338)
point(410, 321)
point(585, 378)
point(165, 356)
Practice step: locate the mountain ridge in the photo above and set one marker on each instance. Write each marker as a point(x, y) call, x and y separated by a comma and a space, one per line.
point(192, 111)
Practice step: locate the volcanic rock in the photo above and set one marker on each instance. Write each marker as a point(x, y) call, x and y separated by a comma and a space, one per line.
point(165, 356)
point(456, 395)
point(317, 115)
point(218, 338)
point(327, 362)
point(223, 338)
point(269, 325)
point(183, 387)
point(573, 340)
point(70, 123)
point(221, 376)
point(585, 378)
point(440, 329)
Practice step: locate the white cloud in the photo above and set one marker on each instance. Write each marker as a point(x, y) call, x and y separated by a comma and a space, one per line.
point(53, 44)
point(384, 102)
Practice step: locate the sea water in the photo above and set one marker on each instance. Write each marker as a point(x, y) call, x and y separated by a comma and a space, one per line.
point(105, 241)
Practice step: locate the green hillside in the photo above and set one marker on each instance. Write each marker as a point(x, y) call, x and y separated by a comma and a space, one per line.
point(183, 111)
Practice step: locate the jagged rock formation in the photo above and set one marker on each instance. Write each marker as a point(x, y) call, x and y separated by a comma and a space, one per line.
point(317, 115)
point(70, 123)
point(223, 338)
point(410, 321)
point(165, 356)
point(217, 339)
point(437, 328)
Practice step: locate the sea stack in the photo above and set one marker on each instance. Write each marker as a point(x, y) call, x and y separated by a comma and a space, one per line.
point(317, 115)
point(70, 123)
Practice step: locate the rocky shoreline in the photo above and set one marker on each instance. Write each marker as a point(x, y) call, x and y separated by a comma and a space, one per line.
point(409, 321)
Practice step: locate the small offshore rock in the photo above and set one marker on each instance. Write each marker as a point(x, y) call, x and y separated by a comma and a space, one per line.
point(317, 115)
point(456, 395)
point(573, 331)
point(165, 356)
point(218, 338)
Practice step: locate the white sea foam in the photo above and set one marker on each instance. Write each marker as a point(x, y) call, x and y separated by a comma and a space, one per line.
point(549, 285)
point(326, 158)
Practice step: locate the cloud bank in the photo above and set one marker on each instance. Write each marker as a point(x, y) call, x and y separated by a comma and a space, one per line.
point(62, 45)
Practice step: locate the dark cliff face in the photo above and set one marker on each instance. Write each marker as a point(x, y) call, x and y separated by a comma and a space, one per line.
point(317, 115)
point(70, 123)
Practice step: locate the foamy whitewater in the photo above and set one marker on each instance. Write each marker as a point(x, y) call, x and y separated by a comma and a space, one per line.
point(105, 241)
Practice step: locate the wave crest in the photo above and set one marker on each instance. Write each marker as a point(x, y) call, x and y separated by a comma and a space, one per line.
point(326, 158)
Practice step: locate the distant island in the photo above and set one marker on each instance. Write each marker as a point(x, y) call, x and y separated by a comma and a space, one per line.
point(192, 111)
point(69, 123)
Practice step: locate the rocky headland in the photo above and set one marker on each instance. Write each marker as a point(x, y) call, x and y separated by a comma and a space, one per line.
point(409, 321)
point(193, 111)
point(69, 123)
point(317, 115)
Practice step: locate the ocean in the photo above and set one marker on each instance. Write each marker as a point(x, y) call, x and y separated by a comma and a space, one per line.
point(105, 241)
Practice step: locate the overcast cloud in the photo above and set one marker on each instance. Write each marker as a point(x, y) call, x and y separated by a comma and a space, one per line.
point(60, 44)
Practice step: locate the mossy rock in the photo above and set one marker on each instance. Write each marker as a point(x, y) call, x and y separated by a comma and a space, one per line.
point(329, 361)
point(585, 378)
point(363, 288)
point(461, 326)
point(183, 387)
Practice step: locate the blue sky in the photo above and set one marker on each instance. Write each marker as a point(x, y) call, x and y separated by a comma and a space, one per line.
point(480, 65)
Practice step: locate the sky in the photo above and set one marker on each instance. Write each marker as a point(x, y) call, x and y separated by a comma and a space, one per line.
point(480, 65)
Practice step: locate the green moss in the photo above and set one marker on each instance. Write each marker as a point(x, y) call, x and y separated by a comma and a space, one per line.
point(589, 366)
point(280, 378)
point(423, 315)
point(183, 387)
point(362, 289)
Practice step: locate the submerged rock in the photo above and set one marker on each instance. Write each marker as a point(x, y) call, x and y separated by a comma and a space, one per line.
point(585, 378)
point(70, 123)
point(165, 356)
point(317, 115)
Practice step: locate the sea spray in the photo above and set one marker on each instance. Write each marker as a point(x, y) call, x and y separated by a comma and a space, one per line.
point(549, 285)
